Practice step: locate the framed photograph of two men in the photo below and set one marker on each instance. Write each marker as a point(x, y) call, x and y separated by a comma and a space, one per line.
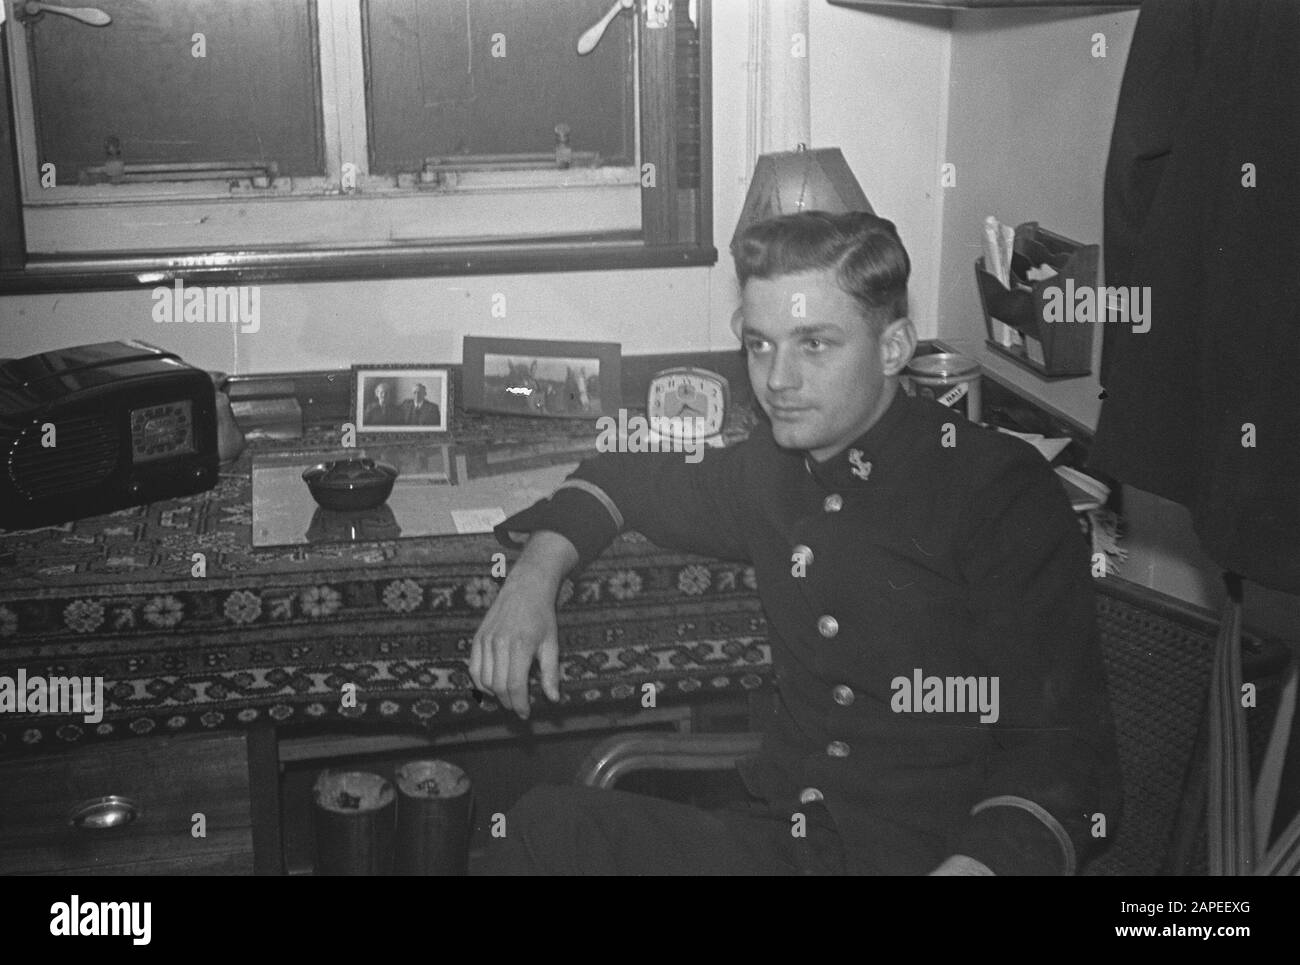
point(401, 399)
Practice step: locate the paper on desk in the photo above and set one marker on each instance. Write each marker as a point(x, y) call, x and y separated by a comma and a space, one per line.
point(1090, 488)
point(477, 520)
point(1049, 448)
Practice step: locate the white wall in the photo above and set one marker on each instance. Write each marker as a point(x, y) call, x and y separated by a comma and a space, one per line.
point(1029, 129)
point(880, 94)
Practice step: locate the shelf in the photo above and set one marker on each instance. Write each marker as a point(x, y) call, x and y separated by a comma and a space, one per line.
point(1074, 400)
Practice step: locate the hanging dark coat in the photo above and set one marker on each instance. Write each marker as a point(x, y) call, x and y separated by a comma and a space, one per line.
point(1202, 206)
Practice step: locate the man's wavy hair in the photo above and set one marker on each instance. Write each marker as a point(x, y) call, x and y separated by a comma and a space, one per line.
point(870, 261)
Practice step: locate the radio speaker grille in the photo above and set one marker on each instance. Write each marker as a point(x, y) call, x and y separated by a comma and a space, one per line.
point(86, 451)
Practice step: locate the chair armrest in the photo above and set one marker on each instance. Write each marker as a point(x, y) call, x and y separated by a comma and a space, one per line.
point(622, 754)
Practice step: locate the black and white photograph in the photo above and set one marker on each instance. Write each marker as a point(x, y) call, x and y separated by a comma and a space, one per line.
point(417, 460)
point(405, 400)
point(542, 378)
point(652, 438)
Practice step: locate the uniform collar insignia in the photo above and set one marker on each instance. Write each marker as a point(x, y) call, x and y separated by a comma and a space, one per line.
point(857, 465)
point(861, 468)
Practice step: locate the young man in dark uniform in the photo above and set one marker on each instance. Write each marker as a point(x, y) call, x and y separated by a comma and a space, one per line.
point(941, 700)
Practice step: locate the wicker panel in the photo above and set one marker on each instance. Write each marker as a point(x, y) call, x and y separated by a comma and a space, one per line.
point(1158, 674)
point(1159, 677)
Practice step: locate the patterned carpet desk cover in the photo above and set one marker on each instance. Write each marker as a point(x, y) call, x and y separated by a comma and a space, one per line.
point(277, 633)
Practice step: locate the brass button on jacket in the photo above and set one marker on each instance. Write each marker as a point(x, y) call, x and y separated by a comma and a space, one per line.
point(828, 626)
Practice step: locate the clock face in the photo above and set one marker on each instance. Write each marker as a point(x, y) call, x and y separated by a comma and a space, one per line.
point(161, 431)
point(688, 403)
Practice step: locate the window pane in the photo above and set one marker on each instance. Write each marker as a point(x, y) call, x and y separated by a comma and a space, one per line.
point(436, 88)
point(250, 97)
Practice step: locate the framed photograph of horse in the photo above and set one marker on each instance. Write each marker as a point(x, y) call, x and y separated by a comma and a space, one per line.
point(542, 377)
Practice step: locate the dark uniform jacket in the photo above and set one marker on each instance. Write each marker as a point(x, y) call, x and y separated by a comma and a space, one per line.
point(920, 560)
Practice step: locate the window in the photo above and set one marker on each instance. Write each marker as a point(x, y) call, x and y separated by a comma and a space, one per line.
point(344, 138)
point(438, 88)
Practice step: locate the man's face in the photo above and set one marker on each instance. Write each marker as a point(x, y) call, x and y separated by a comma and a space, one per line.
point(381, 393)
point(820, 372)
point(418, 392)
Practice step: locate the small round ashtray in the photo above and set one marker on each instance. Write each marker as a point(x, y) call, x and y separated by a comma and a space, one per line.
point(350, 484)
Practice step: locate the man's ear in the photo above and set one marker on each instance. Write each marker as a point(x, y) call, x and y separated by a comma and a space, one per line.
point(897, 343)
point(738, 321)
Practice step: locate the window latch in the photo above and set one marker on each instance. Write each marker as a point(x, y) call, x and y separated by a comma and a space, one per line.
point(591, 36)
point(31, 12)
point(657, 13)
point(117, 170)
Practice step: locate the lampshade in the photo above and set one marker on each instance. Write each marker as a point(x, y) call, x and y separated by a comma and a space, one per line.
point(804, 180)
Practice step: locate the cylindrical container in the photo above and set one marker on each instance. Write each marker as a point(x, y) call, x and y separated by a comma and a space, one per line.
point(433, 819)
point(354, 823)
point(948, 378)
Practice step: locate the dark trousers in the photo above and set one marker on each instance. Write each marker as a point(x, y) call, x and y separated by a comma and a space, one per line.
point(586, 831)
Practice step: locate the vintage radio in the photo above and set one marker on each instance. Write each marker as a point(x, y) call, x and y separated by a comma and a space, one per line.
point(94, 428)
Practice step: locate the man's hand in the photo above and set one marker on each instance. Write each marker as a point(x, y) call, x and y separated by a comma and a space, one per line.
point(520, 625)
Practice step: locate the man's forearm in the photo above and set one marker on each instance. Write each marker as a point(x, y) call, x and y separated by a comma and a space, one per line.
point(546, 559)
point(520, 626)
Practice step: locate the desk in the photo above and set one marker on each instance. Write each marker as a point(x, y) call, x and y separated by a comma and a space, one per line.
point(272, 636)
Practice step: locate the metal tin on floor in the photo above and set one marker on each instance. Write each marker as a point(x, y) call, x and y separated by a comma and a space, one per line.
point(949, 379)
point(433, 819)
point(354, 823)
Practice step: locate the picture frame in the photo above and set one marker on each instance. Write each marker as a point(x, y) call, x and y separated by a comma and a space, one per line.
point(415, 460)
point(542, 378)
point(402, 385)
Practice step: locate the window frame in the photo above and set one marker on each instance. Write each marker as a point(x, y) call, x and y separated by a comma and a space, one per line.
point(674, 226)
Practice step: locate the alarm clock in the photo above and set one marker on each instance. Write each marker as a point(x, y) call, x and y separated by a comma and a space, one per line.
point(688, 404)
point(94, 428)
